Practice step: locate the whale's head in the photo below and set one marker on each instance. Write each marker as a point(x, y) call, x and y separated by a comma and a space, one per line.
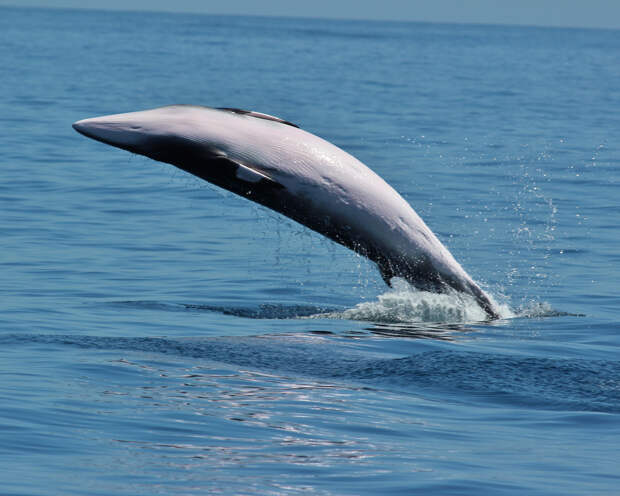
point(187, 136)
point(215, 144)
point(176, 134)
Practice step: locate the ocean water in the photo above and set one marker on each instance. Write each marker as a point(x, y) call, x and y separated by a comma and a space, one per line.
point(160, 336)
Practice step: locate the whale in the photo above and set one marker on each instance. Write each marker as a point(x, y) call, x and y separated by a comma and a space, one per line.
point(275, 163)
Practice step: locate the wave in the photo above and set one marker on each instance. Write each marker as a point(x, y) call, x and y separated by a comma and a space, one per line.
point(522, 381)
point(540, 309)
point(263, 311)
point(400, 305)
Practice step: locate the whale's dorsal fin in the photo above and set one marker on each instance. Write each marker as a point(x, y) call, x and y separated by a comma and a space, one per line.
point(258, 115)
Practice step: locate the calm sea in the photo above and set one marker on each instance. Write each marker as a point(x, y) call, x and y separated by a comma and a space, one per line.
point(160, 336)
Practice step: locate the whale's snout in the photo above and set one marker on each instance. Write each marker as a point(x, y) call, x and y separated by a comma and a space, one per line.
point(116, 130)
point(85, 127)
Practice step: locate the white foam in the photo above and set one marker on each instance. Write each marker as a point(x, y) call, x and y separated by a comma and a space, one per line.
point(404, 304)
point(540, 309)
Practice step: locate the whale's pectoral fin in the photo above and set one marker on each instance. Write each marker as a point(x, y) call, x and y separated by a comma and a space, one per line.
point(250, 175)
point(230, 174)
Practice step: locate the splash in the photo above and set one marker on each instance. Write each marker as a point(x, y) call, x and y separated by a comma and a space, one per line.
point(403, 304)
point(400, 305)
point(541, 309)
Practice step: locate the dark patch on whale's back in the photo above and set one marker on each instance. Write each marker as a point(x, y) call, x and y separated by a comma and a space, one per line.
point(258, 115)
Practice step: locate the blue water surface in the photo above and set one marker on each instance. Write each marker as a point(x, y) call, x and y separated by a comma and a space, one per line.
point(161, 336)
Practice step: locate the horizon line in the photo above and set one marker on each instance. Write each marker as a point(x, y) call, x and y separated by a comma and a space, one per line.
point(301, 17)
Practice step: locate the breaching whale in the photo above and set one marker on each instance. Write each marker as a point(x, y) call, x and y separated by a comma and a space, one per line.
point(275, 163)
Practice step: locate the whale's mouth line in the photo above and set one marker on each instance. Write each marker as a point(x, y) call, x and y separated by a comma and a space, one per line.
point(89, 132)
point(85, 131)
